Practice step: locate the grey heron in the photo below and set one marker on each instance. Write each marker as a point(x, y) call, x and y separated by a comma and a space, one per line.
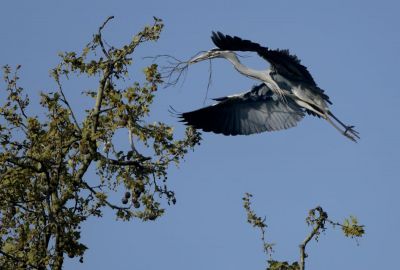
point(286, 93)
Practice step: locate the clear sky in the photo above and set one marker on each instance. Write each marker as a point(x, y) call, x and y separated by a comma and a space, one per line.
point(352, 50)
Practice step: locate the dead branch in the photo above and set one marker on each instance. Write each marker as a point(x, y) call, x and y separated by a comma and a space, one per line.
point(174, 69)
point(101, 38)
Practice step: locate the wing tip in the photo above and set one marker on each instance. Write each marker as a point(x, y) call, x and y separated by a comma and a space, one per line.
point(217, 37)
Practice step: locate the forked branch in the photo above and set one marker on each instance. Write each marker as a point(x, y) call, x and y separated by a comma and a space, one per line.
point(317, 218)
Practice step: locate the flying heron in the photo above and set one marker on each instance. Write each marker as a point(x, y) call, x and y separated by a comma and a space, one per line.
point(286, 93)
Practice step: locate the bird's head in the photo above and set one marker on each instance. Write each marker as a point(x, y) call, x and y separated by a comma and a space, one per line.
point(214, 53)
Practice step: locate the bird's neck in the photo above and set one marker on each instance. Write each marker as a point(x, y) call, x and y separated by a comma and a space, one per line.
point(254, 74)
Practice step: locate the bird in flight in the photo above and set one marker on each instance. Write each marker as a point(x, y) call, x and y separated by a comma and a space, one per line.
point(287, 93)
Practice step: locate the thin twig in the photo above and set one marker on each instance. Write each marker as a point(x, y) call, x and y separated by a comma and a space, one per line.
point(107, 109)
point(100, 38)
point(64, 99)
point(131, 141)
point(116, 162)
point(112, 206)
point(20, 105)
point(209, 82)
point(175, 68)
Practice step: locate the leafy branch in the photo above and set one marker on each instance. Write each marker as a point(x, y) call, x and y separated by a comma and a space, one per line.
point(44, 159)
point(257, 222)
point(317, 218)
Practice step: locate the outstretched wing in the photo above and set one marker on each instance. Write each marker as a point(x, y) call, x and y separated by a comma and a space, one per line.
point(256, 111)
point(282, 61)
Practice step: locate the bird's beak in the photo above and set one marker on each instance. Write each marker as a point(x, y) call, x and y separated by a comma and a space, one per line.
point(204, 56)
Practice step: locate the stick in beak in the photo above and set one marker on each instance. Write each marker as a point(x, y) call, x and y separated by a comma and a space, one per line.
point(204, 56)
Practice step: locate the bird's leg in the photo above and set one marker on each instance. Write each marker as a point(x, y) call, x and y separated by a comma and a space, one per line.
point(348, 132)
point(348, 129)
point(275, 88)
point(351, 130)
point(305, 105)
point(345, 132)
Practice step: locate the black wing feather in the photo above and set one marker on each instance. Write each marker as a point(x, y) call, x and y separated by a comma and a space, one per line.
point(281, 60)
point(256, 111)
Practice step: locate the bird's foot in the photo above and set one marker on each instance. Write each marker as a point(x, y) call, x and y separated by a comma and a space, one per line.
point(351, 133)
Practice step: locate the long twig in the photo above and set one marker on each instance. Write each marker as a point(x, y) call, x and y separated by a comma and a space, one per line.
point(209, 82)
point(174, 69)
point(136, 162)
point(20, 104)
point(104, 82)
point(112, 206)
point(100, 37)
point(64, 99)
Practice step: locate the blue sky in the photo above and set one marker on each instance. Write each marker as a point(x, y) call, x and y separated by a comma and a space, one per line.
point(351, 49)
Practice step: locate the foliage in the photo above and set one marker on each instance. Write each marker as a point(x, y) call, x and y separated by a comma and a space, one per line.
point(45, 159)
point(257, 222)
point(317, 218)
point(277, 265)
point(351, 228)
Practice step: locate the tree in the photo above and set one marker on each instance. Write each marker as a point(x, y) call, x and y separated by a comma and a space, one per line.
point(44, 159)
point(317, 218)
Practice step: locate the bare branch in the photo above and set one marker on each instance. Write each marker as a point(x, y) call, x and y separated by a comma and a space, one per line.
point(131, 141)
point(174, 70)
point(95, 193)
point(209, 81)
point(64, 99)
point(107, 109)
point(138, 162)
point(100, 37)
